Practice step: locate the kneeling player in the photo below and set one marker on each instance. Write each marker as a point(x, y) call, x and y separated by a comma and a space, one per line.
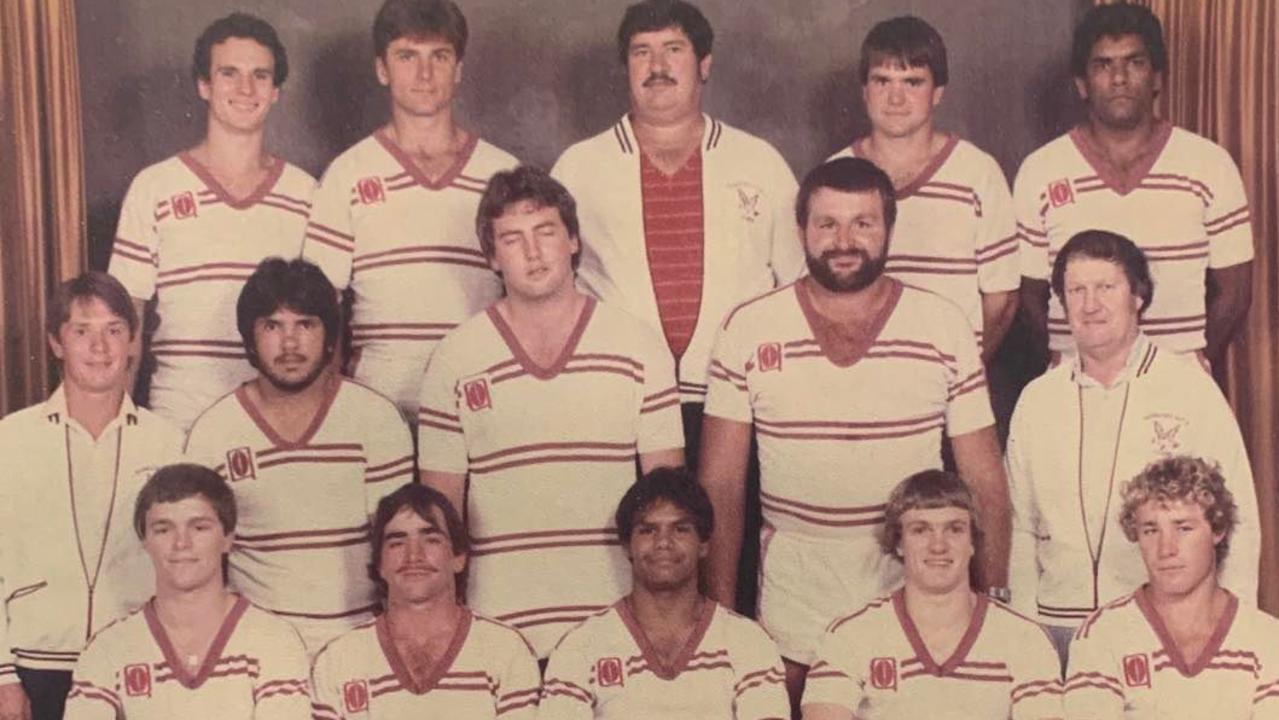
point(1181, 646)
point(665, 650)
point(195, 650)
point(934, 648)
point(426, 655)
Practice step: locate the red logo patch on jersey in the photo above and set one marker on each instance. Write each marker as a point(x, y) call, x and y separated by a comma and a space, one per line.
point(883, 673)
point(477, 395)
point(355, 695)
point(240, 464)
point(1060, 192)
point(183, 205)
point(1137, 670)
point(137, 680)
point(608, 672)
point(371, 191)
point(769, 356)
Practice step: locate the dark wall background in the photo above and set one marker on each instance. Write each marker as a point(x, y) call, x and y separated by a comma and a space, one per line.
point(541, 74)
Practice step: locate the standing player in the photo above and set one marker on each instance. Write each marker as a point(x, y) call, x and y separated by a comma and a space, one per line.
point(1177, 195)
point(196, 649)
point(1181, 647)
point(933, 644)
point(1087, 424)
point(665, 650)
point(73, 466)
point(194, 226)
point(683, 216)
point(394, 215)
point(955, 233)
point(308, 454)
point(427, 654)
point(546, 401)
point(849, 377)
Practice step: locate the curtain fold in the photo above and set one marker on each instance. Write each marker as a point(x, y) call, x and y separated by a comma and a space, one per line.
point(42, 210)
point(1223, 83)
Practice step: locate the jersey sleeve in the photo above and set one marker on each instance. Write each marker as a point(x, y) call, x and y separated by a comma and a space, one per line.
point(1032, 234)
point(326, 688)
point(1265, 699)
point(832, 678)
point(1092, 687)
point(93, 693)
point(388, 449)
point(997, 240)
point(441, 443)
point(330, 234)
point(282, 689)
point(1227, 220)
point(786, 254)
point(566, 687)
point(1023, 562)
point(968, 402)
point(727, 394)
point(759, 678)
point(1036, 671)
point(136, 248)
point(203, 446)
point(661, 425)
point(519, 682)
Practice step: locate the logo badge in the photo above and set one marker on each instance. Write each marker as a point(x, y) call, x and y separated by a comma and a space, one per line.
point(1137, 670)
point(240, 464)
point(747, 201)
point(137, 680)
point(883, 673)
point(608, 672)
point(769, 356)
point(183, 205)
point(1165, 431)
point(370, 190)
point(477, 395)
point(355, 695)
point(1060, 192)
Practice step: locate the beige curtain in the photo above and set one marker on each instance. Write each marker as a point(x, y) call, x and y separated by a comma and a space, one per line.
point(42, 213)
point(1223, 83)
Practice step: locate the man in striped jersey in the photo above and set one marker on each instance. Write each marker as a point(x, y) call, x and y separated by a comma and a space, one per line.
point(849, 377)
point(427, 655)
point(1088, 424)
point(194, 226)
point(195, 649)
point(1177, 195)
point(934, 648)
point(309, 454)
point(534, 415)
point(394, 214)
point(1180, 647)
point(665, 650)
point(683, 216)
point(955, 233)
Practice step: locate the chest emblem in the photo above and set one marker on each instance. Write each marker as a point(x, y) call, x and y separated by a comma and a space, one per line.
point(355, 696)
point(747, 201)
point(608, 672)
point(137, 680)
point(1060, 192)
point(240, 464)
point(370, 190)
point(883, 673)
point(477, 395)
point(768, 356)
point(1137, 670)
point(183, 205)
point(1165, 434)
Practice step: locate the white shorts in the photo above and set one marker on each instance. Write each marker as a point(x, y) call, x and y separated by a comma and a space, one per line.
point(805, 583)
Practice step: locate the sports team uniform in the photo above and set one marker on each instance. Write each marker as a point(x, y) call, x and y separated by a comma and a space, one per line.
point(301, 543)
point(749, 240)
point(955, 232)
point(550, 452)
point(255, 670)
point(1069, 554)
point(183, 240)
point(606, 669)
point(1124, 665)
point(487, 672)
point(834, 441)
point(406, 247)
point(1188, 214)
point(70, 562)
point(875, 664)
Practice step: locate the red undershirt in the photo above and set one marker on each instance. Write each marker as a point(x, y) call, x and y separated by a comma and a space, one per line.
point(673, 236)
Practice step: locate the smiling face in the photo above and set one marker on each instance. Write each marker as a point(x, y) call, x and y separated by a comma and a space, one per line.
point(186, 543)
point(900, 100)
point(290, 348)
point(845, 239)
point(533, 251)
point(418, 562)
point(422, 74)
point(1120, 82)
point(664, 74)
point(936, 547)
point(241, 86)
point(665, 548)
point(93, 345)
point(1178, 547)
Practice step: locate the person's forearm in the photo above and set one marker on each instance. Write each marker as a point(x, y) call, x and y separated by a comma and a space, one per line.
point(997, 313)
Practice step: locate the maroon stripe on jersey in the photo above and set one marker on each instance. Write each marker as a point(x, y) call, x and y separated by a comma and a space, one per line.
point(600, 532)
point(537, 447)
point(923, 420)
point(366, 610)
point(660, 401)
point(300, 202)
point(555, 686)
point(459, 250)
point(324, 233)
point(402, 467)
point(306, 459)
point(237, 277)
point(970, 201)
point(272, 688)
point(544, 459)
point(898, 269)
point(198, 353)
point(282, 206)
point(1201, 187)
point(1220, 226)
point(674, 241)
point(874, 604)
point(289, 547)
point(1082, 680)
point(516, 700)
point(428, 260)
point(265, 537)
point(250, 267)
point(1034, 688)
point(302, 446)
point(829, 509)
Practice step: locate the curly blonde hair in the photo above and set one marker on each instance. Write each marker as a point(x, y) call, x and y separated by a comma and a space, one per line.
point(1188, 479)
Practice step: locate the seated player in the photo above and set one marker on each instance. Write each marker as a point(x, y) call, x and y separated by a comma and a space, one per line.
point(935, 648)
point(195, 650)
point(665, 650)
point(426, 655)
point(1180, 646)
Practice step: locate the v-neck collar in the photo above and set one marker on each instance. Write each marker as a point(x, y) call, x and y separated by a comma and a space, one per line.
point(255, 413)
point(654, 661)
point(521, 355)
point(192, 681)
point(925, 176)
point(966, 643)
point(1170, 647)
point(1107, 172)
point(267, 185)
point(441, 665)
point(411, 167)
point(816, 320)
